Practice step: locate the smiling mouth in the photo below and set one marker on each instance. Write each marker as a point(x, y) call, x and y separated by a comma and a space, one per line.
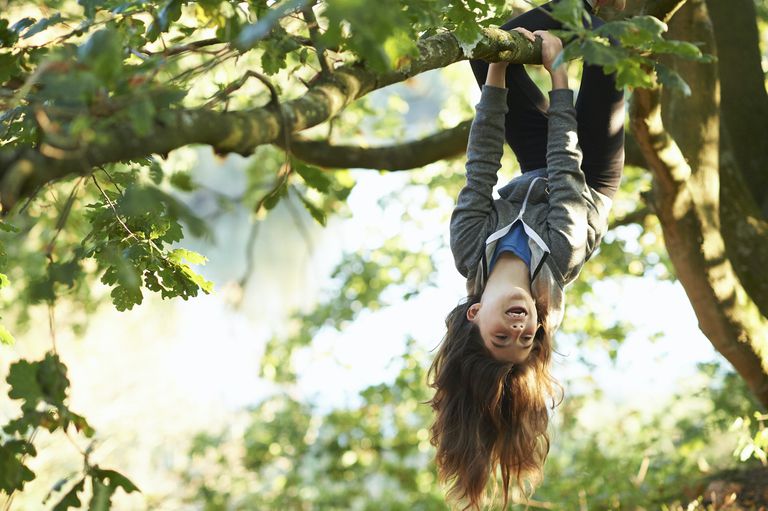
point(518, 310)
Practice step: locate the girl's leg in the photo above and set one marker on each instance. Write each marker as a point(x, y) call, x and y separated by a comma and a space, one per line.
point(526, 122)
point(600, 115)
point(599, 107)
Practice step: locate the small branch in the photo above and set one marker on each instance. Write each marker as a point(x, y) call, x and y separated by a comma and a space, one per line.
point(445, 144)
point(114, 210)
point(314, 36)
point(663, 9)
point(195, 45)
point(232, 87)
point(63, 216)
point(637, 216)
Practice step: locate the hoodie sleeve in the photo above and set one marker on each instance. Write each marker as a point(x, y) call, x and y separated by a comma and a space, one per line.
point(567, 216)
point(474, 212)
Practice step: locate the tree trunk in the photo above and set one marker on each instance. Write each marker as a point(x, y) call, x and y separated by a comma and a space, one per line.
point(685, 161)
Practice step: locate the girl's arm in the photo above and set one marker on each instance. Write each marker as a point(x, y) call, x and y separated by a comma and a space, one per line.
point(567, 216)
point(472, 216)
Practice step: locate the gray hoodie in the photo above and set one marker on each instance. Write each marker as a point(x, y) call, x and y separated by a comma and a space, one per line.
point(564, 218)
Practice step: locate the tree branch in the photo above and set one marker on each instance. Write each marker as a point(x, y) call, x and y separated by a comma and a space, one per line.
point(448, 143)
point(663, 9)
point(637, 216)
point(23, 170)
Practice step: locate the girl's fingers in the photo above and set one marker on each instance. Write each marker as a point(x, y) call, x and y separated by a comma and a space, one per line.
point(527, 33)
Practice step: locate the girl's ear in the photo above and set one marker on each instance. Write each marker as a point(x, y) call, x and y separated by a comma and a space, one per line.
point(472, 311)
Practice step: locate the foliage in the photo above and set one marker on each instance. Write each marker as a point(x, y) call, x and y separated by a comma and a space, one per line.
point(42, 387)
point(630, 47)
point(376, 454)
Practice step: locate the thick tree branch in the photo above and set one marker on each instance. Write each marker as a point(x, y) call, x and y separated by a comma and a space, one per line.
point(744, 100)
point(23, 171)
point(726, 314)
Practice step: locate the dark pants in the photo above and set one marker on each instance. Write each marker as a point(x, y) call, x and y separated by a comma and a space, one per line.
point(599, 111)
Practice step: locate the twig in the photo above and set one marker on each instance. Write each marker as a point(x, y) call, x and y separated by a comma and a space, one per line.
point(314, 36)
point(119, 189)
point(63, 216)
point(114, 210)
point(52, 324)
point(232, 87)
point(635, 217)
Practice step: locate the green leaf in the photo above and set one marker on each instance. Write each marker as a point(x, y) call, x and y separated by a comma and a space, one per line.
point(70, 499)
point(22, 379)
point(274, 196)
point(22, 24)
point(6, 227)
point(570, 13)
point(42, 25)
point(599, 54)
point(255, 32)
point(7, 36)
point(313, 176)
point(179, 255)
point(52, 377)
point(102, 496)
point(141, 114)
point(103, 54)
point(317, 213)
point(670, 78)
point(6, 337)
point(650, 25)
point(117, 480)
point(9, 66)
point(155, 171)
point(466, 30)
point(182, 181)
point(170, 12)
point(198, 280)
point(124, 298)
point(682, 49)
point(89, 6)
point(13, 473)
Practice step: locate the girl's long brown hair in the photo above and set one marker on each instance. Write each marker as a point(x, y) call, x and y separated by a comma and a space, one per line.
point(489, 414)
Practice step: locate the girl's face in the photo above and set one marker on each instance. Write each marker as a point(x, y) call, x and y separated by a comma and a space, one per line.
point(508, 322)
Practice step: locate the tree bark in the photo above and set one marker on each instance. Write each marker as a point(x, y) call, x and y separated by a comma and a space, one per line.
point(744, 106)
point(686, 198)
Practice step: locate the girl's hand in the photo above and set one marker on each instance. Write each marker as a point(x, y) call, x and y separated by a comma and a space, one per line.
point(551, 47)
point(497, 70)
point(527, 33)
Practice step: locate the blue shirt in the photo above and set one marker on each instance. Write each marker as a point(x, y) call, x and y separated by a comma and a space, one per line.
point(515, 241)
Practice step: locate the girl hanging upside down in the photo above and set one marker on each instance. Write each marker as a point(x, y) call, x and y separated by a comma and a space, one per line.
point(491, 376)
